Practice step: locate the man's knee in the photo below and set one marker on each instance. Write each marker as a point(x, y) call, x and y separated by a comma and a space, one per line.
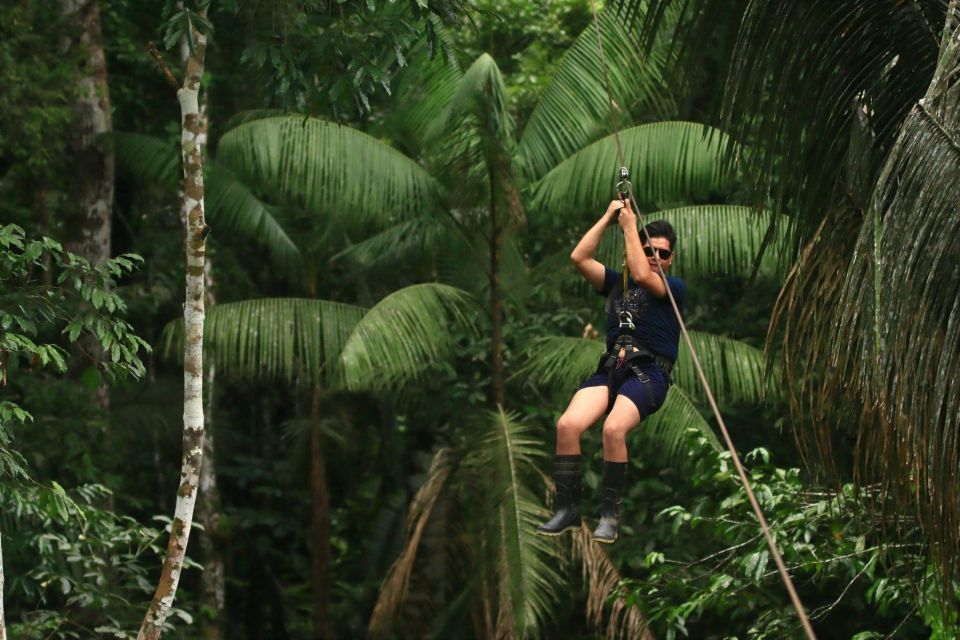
point(615, 430)
point(569, 427)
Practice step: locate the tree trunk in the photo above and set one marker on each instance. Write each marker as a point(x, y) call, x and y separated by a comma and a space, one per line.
point(193, 317)
point(3, 623)
point(212, 586)
point(320, 524)
point(88, 222)
point(87, 219)
point(212, 579)
point(496, 303)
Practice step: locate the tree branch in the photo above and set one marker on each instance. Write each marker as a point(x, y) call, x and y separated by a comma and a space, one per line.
point(167, 73)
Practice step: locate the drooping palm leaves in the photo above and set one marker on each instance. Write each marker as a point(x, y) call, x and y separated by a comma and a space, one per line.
point(511, 569)
point(573, 110)
point(602, 579)
point(670, 163)
point(394, 590)
point(232, 210)
point(853, 109)
point(309, 342)
point(796, 73)
point(715, 239)
point(391, 343)
point(328, 169)
point(898, 355)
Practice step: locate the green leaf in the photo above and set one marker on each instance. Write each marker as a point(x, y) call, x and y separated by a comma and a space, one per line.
point(670, 164)
point(292, 339)
point(406, 333)
point(573, 110)
point(328, 169)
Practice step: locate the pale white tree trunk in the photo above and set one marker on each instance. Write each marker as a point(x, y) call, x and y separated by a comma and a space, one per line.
point(3, 623)
point(193, 317)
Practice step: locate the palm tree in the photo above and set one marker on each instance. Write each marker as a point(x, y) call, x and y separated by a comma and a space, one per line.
point(852, 110)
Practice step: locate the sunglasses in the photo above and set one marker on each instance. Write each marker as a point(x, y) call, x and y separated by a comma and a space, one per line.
point(663, 253)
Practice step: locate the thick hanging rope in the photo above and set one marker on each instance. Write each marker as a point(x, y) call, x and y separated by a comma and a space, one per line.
point(778, 559)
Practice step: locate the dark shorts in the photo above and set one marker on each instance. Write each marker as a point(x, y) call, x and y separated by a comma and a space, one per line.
point(647, 396)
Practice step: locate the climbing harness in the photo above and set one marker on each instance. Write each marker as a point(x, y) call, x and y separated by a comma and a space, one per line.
point(627, 354)
point(764, 527)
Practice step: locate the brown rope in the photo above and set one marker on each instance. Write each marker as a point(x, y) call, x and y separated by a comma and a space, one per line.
point(778, 559)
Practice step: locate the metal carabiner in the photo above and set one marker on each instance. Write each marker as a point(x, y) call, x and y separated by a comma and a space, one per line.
point(624, 185)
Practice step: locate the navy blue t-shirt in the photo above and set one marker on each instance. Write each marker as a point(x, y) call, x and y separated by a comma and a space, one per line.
point(656, 326)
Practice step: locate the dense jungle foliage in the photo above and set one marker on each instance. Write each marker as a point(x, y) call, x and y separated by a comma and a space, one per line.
point(393, 324)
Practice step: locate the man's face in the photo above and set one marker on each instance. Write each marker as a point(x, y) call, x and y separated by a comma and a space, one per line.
point(660, 245)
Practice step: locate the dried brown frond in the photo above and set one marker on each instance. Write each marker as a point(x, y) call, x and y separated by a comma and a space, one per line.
point(394, 590)
point(602, 579)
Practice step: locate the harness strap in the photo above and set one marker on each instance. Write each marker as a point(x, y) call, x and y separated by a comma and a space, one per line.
point(633, 353)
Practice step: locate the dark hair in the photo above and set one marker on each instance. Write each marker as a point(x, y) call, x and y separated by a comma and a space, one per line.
point(662, 229)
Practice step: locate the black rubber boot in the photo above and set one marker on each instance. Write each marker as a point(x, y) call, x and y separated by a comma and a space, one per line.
point(566, 475)
point(613, 473)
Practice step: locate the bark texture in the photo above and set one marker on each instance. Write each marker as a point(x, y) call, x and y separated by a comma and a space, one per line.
point(87, 218)
point(320, 525)
point(88, 221)
point(212, 580)
point(193, 317)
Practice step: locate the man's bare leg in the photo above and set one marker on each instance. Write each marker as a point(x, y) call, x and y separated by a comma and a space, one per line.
point(622, 419)
point(585, 408)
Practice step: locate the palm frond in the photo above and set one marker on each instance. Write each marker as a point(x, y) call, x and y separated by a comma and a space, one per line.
point(714, 240)
point(558, 362)
point(328, 169)
point(734, 369)
point(394, 589)
point(795, 73)
point(231, 207)
point(896, 346)
point(298, 340)
point(667, 432)
point(670, 163)
point(423, 90)
point(147, 159)
point(602, 580)
point(406, 333)
point(481, 95)
point(573, 110)
point(423, 234)
point(475, 134)
point(506, 462)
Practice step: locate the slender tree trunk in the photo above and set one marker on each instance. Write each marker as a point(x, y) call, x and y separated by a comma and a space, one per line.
point(193, 317)
point(87, 219)
point(88, 222)
point(212, 579)
point(320, 526)
point(3, 623)
point(496, 303)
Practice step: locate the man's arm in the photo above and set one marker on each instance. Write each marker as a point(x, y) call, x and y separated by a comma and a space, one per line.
point(582, 255)
point(640, 269)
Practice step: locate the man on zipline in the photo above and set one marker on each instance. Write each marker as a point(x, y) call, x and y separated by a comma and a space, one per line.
point(632, 379)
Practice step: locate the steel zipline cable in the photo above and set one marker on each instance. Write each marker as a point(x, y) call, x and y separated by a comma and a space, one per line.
point(624, 181)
